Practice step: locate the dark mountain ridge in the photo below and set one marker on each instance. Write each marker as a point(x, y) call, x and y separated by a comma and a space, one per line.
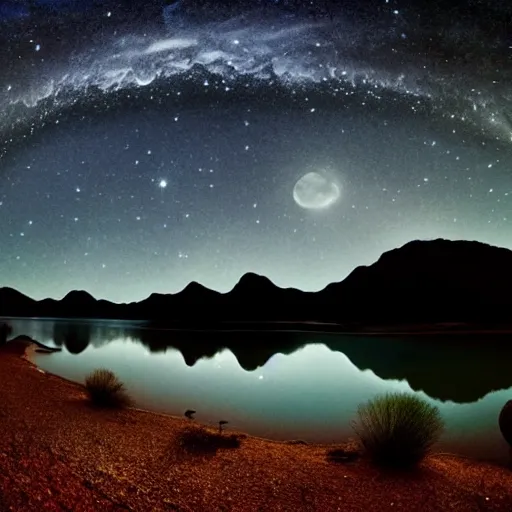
point(421, 282)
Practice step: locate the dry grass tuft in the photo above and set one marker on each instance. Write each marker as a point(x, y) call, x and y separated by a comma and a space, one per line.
point(106, 390)
point(398, 430)
point(200, 441)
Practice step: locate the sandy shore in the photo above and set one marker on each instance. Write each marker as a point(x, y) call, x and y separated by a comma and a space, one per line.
point(57, 453)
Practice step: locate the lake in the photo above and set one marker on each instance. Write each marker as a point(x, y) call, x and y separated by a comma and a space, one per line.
point(291, 385)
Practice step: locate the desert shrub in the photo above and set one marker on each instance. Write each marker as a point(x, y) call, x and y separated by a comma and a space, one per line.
point(106, 390)
point(398, 429)
point(200, 441)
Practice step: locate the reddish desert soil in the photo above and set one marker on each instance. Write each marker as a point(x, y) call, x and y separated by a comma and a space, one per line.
point(59, 453)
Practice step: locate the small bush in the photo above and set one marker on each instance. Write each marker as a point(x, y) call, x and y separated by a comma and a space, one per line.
point(200, 441)
point(399, 429)
point(106, 390)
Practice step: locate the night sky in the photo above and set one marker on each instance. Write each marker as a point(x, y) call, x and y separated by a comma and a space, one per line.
point(137, 159)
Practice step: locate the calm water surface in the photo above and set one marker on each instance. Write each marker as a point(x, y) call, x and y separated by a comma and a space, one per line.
point(291, 385)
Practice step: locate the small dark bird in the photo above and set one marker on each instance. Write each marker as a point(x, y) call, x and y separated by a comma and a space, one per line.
point(189, 413)
point(221, 424)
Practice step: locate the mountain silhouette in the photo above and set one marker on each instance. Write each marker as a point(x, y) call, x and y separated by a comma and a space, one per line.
point(438, 280)
point(421, 282)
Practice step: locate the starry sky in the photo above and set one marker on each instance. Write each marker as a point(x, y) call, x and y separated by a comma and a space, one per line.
point(138, 157)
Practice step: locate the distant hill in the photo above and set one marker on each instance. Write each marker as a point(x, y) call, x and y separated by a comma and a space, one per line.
point(431, 281)
point(421, 282)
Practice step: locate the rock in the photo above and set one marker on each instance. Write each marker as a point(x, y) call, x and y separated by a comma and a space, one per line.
point(505, 422)
point(5, 330)
point(40, 346)
point(341, 455)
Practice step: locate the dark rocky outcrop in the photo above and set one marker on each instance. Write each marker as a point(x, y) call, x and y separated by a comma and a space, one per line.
point(41, 347)
point(5, 330)
point(505, 422)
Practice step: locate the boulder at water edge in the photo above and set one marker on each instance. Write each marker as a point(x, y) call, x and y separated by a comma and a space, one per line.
point(505, 422)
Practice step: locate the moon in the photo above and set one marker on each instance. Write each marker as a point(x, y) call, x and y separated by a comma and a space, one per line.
point(315, 191)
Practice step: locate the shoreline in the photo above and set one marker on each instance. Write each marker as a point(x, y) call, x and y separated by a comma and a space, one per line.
point(31, 350)
point(59, 453)
point(306, 327)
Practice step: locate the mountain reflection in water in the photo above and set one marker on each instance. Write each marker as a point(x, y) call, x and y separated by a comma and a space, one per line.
point(286, 385)
point(459, 368)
